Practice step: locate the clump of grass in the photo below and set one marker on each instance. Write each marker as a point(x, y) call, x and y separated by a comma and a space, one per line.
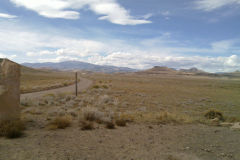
point(121, 122)
point(212, 114)
point(12, 129)
point(26, 102)
point(50, 95)
point(156, 117)
point(166, 117)
point(110, 125)
point(105, 86)
point(232, 119)
point(86, 125)
point(60, 123)
point(96, 86)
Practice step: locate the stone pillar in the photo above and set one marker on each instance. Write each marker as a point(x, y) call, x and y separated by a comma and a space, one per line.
point(9, 90)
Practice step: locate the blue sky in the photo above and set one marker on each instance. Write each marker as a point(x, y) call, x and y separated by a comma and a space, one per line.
point(130, 33)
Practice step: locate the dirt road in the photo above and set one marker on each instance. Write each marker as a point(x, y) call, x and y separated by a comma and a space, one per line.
point(82, 85)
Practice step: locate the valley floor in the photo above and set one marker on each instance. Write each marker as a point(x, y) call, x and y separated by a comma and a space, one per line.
point(164, 115)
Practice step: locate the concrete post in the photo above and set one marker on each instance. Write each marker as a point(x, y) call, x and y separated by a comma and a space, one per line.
point(9, 90)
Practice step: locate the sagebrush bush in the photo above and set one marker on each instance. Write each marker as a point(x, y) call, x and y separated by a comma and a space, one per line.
point(166, 117)
point(96, 86)
point(92, 114)
point(105, 86)
point(212, 114)
point(12, 129)
point(110, 125)
point(121, 122)
point(86, 125)
point(60, 123)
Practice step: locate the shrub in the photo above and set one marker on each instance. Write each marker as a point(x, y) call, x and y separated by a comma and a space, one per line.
point(105, 86)
point(11, 129)
point(166, 117)
point(96, 86)
point(86, 125)
point(60, 123)
point(92, 114)
point(110, 125)
point(212, 114)
point(26, 102)
point(121, 122)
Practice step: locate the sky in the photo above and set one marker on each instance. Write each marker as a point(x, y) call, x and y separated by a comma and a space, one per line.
point(138, 34)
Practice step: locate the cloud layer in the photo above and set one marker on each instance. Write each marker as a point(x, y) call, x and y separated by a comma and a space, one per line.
point(107, 9)
point(4, 15)
point(210, 5)
point(31, 46)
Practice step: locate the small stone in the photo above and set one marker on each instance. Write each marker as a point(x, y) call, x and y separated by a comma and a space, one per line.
point(226, 124)
point(236, 126)
point(187, 148)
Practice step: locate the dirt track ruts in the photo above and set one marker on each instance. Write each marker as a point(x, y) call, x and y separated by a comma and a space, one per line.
point(82, 85)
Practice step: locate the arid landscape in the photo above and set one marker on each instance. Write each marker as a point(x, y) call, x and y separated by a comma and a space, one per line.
point(119, 80)
point(153, 114)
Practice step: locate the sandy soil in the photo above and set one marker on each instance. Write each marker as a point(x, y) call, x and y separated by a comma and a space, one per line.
point(134, 142)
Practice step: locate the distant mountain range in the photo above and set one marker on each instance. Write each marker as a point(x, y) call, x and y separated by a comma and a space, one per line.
point(77, 65)
point(192, 71)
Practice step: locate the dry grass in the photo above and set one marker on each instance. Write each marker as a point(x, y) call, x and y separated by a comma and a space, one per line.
point(12, 129)
point(110, 125)
point(186, 96)
point(162, 117)
point(96, 86)
point(86, 125)
point(33, 80)
point(166, 117)
point(121, 122)
point(60, 123)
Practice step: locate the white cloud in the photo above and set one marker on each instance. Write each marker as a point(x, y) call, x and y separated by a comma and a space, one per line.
point(58, 59)
point(7, 56)
point(107, 9)
point(147, 16)
point(33, 43)
point(141, 60)
point(223, 45)
point(210, 5)
point(40, 47)
point(8, 16)
point(166, 13)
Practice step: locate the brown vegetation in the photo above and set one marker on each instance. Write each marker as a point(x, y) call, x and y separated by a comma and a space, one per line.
point(12, 129)
point(60, 123)
point(212, 114)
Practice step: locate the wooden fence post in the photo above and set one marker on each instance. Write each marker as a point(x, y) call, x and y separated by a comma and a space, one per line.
point(76, 82)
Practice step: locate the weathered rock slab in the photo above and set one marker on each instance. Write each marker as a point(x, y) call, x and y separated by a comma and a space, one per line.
point(9, 90)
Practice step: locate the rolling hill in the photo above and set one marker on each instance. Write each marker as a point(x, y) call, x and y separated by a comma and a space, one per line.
point(77, 65)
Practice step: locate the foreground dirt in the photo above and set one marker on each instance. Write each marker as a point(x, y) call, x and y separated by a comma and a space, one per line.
point(139, 142)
